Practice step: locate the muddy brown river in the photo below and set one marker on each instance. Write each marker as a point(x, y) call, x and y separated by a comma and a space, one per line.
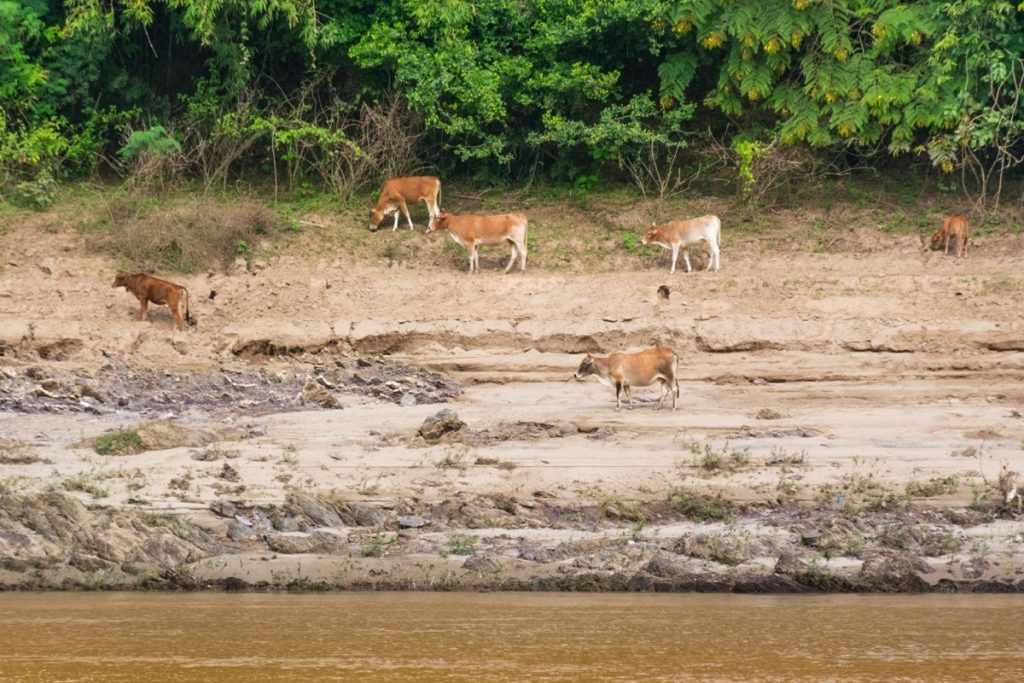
point(508, 636)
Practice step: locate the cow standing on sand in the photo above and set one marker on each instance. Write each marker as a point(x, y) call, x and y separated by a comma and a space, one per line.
point(147, 288)
point(954, 228)
point(686, 233)
point(640, 369)
point(485, 231)
point(395, 194)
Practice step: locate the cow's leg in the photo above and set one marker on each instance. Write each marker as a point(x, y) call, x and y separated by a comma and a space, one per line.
point(675, 255)
point(665, 390)
point(512, 258)
point(618, 395)
point(629, 396)
point(145, 305)
point(522, 256)
point(686, 258)
point(405, 210)
point(472, 256)
point(395, 226)
point(713, 257)
point(962, 246)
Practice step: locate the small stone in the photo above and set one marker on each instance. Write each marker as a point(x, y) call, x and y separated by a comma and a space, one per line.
point(407, 400)
point(240, 532)
point(438, 425)
point(412, 522)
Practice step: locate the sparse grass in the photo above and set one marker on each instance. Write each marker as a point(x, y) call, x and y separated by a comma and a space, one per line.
point(379, 544)
point(121, 442)
point(462, 544)
point(211, 453)
point(709, 459)
point(86, 484)
point(455, 457)
point(289, 456)
point(630, 510)
point(855, 492)
point(700, 507)
point(780, 456)
point(937, 486)
point(18, 453)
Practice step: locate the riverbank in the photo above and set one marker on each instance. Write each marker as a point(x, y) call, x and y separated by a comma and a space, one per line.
point(850, 420)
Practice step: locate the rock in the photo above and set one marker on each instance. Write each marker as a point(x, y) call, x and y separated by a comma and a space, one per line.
point(315, 511)
point(312, 392)
point(897, 572)
point(92, 392)
point(482, 564)
point(442, 423)
point(240, 532)
point(412, 522)
point(301, 543)
point(407, 401)
point(665, 567)
point(790, 563)
point(361, 514)
point(223, 508)
point(228, 473)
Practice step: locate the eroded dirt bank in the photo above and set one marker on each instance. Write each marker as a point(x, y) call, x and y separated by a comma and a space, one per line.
point(848, 421)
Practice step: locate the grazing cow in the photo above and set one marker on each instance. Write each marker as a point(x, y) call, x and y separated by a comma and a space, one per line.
point(686, 233)
point(395, 192)
point(641, 369)
point(955, 228)
point(147, 288)
point(485, 231)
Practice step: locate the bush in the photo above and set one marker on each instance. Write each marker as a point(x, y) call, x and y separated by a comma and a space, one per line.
point(203, 234)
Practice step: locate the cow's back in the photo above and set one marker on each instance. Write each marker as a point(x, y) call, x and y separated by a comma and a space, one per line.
point(644, 367)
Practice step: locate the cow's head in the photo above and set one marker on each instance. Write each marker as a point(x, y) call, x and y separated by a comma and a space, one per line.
point(651, 235)
point(121, 279)
point(438, 222)
point(587, 367)
point(376, 216)
point(937, 236)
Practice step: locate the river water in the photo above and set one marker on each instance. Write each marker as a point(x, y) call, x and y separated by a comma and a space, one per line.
point(55, 637)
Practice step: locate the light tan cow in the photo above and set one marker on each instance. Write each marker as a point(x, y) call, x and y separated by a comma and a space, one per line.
point(685, 234)
point(396, 192)
point(485, 231)
point(954, 228)
point(640, 369)
point(147, 288)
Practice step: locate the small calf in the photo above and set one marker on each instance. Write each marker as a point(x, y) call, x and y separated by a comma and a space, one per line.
point(955, 228)
point(147, 288)
point(395, 192)
point(640, 369)
point(686, 233)
point(485, 231)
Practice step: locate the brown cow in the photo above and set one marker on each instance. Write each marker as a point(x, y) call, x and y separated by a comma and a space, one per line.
point(685, 233)
point(485, 231)
point(640, 369)
point(395, 192)
point(955, 228)
point(147, 288)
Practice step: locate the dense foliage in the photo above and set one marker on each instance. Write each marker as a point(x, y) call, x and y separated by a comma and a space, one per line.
point(342, 92)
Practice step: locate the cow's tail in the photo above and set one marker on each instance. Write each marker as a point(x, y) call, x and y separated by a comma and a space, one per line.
point(183, 308)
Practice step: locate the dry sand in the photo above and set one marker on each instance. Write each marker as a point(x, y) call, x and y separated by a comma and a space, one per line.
point(825, 395)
